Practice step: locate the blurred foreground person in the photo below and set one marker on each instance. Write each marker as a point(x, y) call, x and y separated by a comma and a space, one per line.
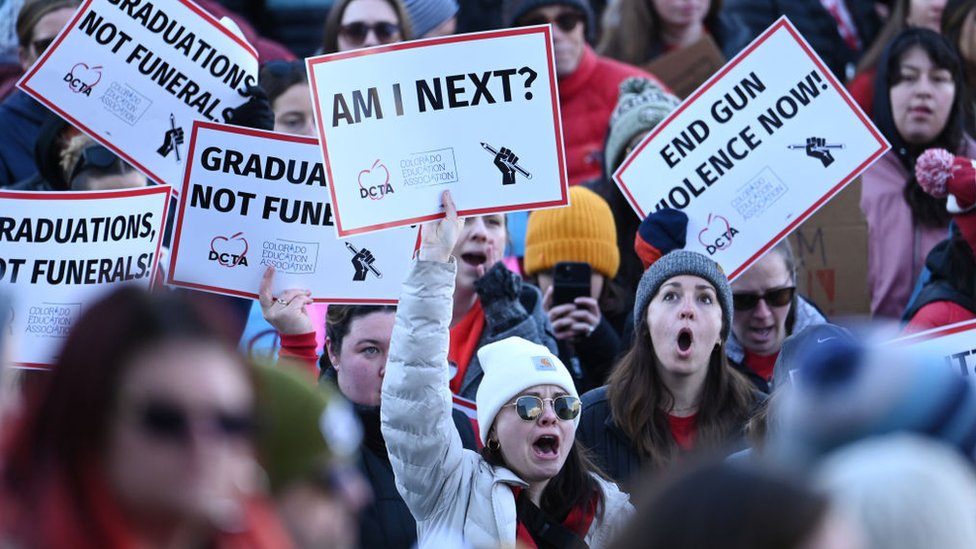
point(143, 437)
point(735, 506)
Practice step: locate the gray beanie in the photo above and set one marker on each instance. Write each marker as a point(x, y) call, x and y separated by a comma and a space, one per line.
point(684, 262)
point(641, 106)
point(427, 15)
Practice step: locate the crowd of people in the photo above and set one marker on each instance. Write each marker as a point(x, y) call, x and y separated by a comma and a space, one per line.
point(654, 403)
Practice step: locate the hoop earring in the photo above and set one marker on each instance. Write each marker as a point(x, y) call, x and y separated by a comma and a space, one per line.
point(494, 445)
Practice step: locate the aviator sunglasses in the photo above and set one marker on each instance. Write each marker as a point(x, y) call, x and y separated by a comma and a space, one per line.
point(566, 21)
point(529, 407)
point(356, 33)
point(167, 421)
point(773, 298)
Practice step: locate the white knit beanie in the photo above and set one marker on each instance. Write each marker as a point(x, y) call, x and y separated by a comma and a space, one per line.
point(511, 366)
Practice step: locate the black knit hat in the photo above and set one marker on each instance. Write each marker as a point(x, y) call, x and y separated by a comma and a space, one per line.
point(513, 10)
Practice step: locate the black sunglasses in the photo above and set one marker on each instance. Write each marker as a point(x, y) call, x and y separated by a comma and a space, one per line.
point(566, 21)
point(773, 298)
point(97, 157)
point(530, 407)
point(41, 45)
point(356, 33)
point(168, 421)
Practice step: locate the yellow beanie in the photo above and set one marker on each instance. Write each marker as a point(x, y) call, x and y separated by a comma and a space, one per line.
point(584, 232)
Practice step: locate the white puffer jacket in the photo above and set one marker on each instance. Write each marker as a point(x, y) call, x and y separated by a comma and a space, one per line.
point(448, 488)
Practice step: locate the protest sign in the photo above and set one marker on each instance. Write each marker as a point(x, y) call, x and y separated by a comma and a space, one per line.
point(752, 153)
point(136, 75)
point(61, 251)
point(253, 199)
point(476, 114)
point(954, 344)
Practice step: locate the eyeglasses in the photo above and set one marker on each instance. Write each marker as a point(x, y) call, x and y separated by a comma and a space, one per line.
point(356, 33)
point(41, 45)
point(167, 421)
point(773, 298)
point(530, 407)
point(97, 157)
point(566, 21)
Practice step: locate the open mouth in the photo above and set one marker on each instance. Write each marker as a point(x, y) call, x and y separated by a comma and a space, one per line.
point(546, 446)
point(474, 258)
point(684, 340)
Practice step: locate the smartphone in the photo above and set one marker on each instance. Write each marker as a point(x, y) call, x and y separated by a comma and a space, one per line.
point(570, 279)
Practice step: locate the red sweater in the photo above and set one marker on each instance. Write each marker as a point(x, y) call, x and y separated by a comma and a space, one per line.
point(586, 100)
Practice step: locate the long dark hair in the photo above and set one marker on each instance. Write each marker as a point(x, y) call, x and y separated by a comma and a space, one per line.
point(953, 20)
point(926, 210)
point(330, 38)
point(572, 487)
point(640, 401)
point(632, 30)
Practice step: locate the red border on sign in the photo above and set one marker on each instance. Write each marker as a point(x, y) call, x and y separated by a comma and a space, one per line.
point(181, 207)
point(936, 333)
point(782, 23)
point(96, 195)
point(557, 122)
point(23, 82)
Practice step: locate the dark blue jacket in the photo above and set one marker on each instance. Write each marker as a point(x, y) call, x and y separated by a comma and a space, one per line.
point(20, 123)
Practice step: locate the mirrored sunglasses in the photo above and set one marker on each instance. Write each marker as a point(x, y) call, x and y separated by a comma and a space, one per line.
point(773, 298)
point(530, 407)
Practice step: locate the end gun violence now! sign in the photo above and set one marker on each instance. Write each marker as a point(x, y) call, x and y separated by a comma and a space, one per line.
point(62, 251)
point(755, 151)
point(135, 75)
point(476, 114)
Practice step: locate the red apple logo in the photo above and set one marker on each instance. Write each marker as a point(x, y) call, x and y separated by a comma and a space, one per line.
point(229, 251)
point(374, 183)
point(717, 234)
point(84, 76)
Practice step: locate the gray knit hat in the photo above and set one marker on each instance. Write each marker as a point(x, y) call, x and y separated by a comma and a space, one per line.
point(684, 262)
point(427, 15)
point(641, 106)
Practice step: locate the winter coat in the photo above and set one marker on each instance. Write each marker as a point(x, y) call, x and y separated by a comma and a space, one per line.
point(807, 314)
point(943, 300)
point(511, 308)
point(586, 100)
point(814, 22)
point(21, 118)
point(447, 488)
point(897, 246)
point(590, 358)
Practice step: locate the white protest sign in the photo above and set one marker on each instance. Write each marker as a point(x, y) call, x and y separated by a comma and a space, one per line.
point(476, 114)
point(753, 152)
point(955, 344)
point(136, 75)
point(253, 199)
point(61, 251)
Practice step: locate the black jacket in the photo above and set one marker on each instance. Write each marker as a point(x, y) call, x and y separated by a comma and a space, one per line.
point(947, 262)
point(386, 522)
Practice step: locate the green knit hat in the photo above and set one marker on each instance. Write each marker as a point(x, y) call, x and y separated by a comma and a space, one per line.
point(641, 106)
point(304, 429)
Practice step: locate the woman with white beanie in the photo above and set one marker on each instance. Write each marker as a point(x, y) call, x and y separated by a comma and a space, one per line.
point(531, 484)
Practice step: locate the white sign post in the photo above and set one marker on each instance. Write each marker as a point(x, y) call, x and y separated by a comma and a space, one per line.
point(955, 344)
point(135, 76)
point(253, 199)
point(476, 114)
point(752, 153)
point(59, 252)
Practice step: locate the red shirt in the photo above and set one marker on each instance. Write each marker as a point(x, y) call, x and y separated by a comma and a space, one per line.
point(684, 429)
point(464, 342)
point(761, 365)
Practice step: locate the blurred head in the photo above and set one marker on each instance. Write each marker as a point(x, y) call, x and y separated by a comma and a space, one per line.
point(569, 27)
point(286, 83)
point(641, 106)
point(747, 508)
point(38, 23)
point(679, 14)
point(357, 345)
point(89, 166)
point(764, 301)
point(925, 13)
point(354, 24)
point(150, 395)
point(959, 26)
point(431, 18)
point(905, 491)
point(481, 243)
